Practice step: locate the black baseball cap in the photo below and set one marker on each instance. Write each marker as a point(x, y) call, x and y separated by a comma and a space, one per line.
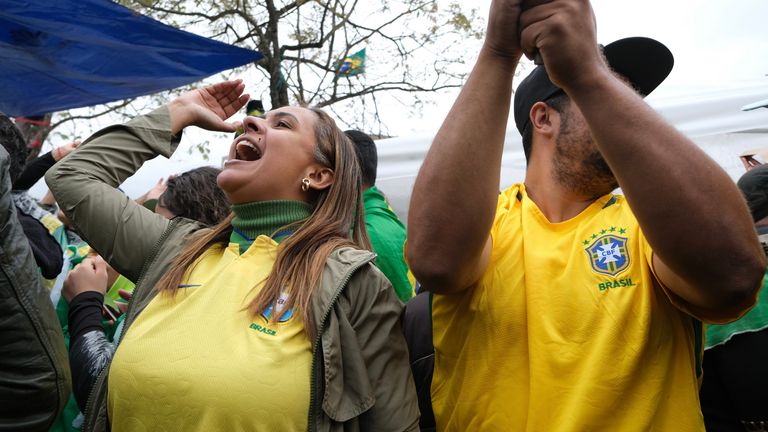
point(644, 62)
point(754, 186)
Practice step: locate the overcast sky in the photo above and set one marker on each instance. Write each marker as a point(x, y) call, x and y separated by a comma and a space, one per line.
point(715, 43)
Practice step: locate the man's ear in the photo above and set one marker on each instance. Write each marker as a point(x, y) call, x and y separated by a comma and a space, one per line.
point(320, 178)
point(543, 119)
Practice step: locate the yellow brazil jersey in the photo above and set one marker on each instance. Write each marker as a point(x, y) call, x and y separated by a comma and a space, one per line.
point(199, 362)
point(567, 330)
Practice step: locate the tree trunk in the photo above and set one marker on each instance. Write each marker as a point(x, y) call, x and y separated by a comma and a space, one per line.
point(278, 86)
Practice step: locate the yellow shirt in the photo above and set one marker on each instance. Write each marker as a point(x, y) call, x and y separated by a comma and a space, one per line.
point(199, 362)
point(567, 330)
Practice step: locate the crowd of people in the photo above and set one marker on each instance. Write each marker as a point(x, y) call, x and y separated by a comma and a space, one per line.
point(280, 293)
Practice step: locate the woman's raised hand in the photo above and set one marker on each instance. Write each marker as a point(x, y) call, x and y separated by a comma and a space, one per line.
point(208, 107)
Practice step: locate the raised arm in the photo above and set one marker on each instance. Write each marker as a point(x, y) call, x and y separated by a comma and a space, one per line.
point(706, 250)
point(455, 194)
point(85, 182)
point(36, 169)
point(85, 187)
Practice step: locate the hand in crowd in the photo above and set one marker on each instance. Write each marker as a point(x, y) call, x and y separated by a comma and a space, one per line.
point(123, 305)
point(110, 314)
point(564, 33)
point(158, 189)
point(750, 162)
point(90, 275)
point(155, 192)
point(208, 107)
point(61, 152)
point(503, 35)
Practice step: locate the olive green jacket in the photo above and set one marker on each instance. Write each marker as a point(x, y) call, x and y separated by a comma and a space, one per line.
point(361, 378)
point(34, 370)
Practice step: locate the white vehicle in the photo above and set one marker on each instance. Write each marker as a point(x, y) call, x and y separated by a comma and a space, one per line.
point(713, 118)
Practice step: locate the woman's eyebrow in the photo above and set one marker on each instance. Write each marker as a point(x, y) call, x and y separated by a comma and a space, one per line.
point(280, 114)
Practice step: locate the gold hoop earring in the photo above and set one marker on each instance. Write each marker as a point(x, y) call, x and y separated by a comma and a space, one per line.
point(305, 184)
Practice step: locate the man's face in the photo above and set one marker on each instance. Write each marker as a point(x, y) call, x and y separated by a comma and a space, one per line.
point(578, 164)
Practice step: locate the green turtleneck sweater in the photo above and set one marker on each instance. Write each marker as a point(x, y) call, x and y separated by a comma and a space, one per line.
point(265, 218)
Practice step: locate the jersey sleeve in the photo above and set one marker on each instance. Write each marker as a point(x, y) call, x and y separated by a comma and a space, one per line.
point(707, 316)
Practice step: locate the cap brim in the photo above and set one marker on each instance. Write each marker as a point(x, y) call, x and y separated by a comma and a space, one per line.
point(643, 61)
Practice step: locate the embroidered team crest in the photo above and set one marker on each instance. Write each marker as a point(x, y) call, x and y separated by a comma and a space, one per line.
point(608, 254)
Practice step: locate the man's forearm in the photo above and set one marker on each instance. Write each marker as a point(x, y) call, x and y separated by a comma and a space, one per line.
point(454, 197)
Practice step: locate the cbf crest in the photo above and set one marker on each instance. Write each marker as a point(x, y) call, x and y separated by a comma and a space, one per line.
point(608, 254)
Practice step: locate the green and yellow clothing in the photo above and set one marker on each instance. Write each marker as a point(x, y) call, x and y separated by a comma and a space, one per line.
point(27, 205)
point(199, 361)
point(361, 379)
point(567, 330)
point(387, 236)
point(754, 320)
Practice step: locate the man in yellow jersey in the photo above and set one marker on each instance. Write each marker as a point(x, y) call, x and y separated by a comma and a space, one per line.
point(556, 307)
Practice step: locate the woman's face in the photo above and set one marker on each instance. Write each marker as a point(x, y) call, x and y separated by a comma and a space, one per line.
point(272, 156)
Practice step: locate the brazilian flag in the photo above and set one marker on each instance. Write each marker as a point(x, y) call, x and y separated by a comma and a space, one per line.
point(352, 65)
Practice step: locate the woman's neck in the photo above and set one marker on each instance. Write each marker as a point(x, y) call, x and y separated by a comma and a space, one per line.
point(267, 217)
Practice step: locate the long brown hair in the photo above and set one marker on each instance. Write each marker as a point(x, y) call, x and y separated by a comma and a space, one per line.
point(337, 220)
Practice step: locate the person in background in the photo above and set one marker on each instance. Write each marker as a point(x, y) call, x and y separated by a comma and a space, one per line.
point(193, 194)
point(46, 233)
point(733, 393)
point(558, 305)
point(34, 372)
point(385, 230)
point(274, 319)
point(417, 328)
point(36, 169)
point(57, 249)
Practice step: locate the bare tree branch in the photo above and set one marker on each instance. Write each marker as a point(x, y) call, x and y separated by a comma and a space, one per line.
point(311, 62)
point(413, 48)
point(386, 86)
point(113, 108)
point(148, 5)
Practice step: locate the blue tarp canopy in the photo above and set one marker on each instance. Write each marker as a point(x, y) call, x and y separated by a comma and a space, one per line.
point(62, 54)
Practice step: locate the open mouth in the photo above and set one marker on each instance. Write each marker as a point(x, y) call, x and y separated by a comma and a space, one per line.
point(246, 151)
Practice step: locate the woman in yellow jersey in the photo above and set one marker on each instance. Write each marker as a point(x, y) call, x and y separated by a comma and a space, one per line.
point(275, 319)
